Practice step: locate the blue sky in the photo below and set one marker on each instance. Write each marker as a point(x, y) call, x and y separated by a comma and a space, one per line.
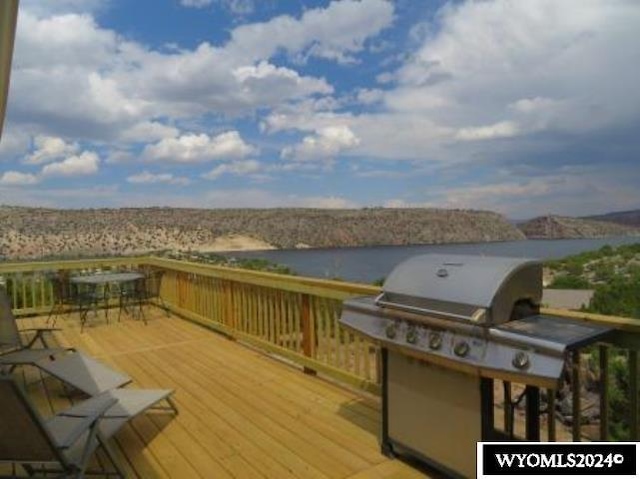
point(525, 108)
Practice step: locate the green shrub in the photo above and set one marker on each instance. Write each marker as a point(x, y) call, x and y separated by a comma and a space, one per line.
point(568, 281)
point(620, 296)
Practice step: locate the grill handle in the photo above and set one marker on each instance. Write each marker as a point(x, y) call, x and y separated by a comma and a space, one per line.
point(415, 309)
point(517, 339)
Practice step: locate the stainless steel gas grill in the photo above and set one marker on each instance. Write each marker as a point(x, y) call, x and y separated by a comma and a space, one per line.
point(449, 326)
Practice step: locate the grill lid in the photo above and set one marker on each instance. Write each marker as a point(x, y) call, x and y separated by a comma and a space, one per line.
point(458, 285)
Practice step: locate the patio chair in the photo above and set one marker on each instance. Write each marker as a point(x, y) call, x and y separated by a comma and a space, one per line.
point(142, 292)
point(13, 349)
point(64, 444)
point(68, 297)
point(153, 281)
point(64, 296)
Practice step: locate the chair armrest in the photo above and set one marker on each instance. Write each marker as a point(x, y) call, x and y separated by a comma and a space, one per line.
point(75, 429)
point(40, 332)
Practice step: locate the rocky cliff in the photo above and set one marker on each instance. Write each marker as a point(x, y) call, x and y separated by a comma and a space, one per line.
point(629, 218)
point(38, 232)
point(562, 227)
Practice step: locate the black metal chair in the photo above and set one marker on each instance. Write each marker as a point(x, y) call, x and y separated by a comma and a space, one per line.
point(141, 292)
point(153, 282)
point(68, 297)
point(87, 298)
point(63, 296)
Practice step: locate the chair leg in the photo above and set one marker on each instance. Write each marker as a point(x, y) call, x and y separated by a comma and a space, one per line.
point(109, 453)
point(164, 306)
point(120, 306)
point(172, 405)
point(142, 315)
point(53, 314)
point(53, 308)
point(84, 313)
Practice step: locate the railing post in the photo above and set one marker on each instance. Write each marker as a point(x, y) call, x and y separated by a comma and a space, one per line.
point(634, 414)
point(575, 386)
point(308, 331)
point(551, 415)
point(229, 315)
point(604, 392)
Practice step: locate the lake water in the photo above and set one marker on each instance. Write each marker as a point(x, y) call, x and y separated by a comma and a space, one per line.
point(367, 264)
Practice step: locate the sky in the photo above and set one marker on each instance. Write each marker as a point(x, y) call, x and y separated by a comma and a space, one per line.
point(525, 108)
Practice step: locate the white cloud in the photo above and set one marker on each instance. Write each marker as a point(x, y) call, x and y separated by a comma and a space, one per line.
point(198, 148)
point(328, 142)
point(240, 168)
point(271, 83)
point(120, 87)
point(16, 178)
point(149, 178)
point(86, 163)
point(46, 8)
point(574, 192)
point(15, 142)
point(259, 198)
point(49, 148)
point(119, 156)
point(368, 96)
point(503, 129)
point(336, 32)
point(147, 131)
point(492, 70)
point(488, 55)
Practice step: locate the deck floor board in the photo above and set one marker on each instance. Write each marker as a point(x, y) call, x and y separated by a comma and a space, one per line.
point(242, 413)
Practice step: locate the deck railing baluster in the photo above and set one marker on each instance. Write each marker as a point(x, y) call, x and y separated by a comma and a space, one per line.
point(575, 386)
point(603, 357)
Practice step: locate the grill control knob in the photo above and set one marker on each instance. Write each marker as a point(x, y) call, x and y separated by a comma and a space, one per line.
point(435, 340)
point(412, 335)
point(521, 360)
point(461, 349)
point(392, 330)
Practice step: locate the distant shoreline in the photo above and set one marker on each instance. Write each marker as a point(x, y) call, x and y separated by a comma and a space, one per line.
point(33, 233)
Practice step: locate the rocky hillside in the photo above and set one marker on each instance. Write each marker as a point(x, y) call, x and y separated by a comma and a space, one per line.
point(37, 232)
point(562, 227)
point(629, 218)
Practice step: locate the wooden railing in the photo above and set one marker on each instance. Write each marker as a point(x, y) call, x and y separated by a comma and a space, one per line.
point(297, 318)
point(294, 317)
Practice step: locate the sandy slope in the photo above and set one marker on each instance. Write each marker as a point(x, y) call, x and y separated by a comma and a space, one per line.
point(235, 243)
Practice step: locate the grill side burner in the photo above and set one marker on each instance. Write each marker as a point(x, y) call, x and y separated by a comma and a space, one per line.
point(448, 327)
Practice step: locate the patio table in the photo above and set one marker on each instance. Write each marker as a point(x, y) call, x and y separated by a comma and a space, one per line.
point(106, 280)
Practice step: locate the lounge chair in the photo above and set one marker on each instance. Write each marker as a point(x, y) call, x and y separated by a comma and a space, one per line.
point(64, 444)
point(73, 368)
point(13, 349)
point(83, 373)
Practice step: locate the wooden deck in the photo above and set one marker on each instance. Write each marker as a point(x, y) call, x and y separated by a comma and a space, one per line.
point(242, 413)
